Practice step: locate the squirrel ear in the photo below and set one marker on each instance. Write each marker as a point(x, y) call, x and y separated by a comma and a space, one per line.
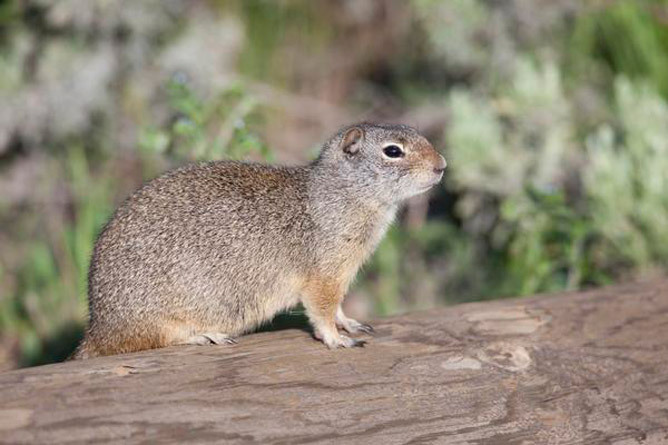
point(351, 140)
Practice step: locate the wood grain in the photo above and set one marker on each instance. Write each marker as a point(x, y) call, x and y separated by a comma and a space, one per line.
point(573, 368)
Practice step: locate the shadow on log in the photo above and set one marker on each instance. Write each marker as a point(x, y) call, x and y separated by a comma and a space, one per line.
point(588, 368)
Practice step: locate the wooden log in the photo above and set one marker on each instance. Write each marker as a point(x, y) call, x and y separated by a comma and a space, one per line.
point(588, 368)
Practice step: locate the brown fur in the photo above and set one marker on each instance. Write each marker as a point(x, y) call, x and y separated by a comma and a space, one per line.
point(210, 251)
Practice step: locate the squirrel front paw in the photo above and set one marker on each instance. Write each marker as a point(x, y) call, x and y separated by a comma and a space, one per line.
point(344, 342)
point(339, 341)
point(350, 325)
point(354, 327)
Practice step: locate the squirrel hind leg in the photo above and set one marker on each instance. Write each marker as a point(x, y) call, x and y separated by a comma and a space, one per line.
point(209, 338)
point(187, 333)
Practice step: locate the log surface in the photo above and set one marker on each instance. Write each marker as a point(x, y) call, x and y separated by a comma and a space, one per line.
point(587, 367)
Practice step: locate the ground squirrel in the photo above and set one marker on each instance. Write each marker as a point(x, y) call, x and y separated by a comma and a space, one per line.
point(210, 251)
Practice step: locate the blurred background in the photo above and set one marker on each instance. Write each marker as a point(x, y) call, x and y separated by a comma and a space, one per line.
point(553, 115)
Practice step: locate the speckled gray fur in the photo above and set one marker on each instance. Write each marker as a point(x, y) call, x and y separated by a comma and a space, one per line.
point(210, 251)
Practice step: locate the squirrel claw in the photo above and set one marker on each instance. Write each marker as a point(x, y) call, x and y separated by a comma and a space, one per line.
point(359, 343)
point(353, 326)
point(366, 328)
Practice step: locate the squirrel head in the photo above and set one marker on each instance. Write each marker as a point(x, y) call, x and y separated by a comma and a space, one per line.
point(389, 162)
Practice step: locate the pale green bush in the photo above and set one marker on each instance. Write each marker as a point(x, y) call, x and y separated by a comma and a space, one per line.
point(626, 180)
point(570, 210)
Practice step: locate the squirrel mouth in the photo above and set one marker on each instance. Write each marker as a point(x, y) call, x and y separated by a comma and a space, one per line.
point(426, 187)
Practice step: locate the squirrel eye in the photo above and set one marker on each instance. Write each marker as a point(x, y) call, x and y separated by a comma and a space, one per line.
point(393, 151)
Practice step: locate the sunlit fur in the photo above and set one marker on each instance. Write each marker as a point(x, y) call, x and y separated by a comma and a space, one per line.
point(221, 247)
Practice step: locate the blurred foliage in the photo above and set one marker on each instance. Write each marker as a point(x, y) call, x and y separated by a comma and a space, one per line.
point(552, 115)
point(627, 37)
point(205, 130)
point(556, 148)
point(626, 182)
point(49, 301)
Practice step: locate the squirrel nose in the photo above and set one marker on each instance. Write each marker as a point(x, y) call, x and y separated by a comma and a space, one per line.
point(440, 168)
